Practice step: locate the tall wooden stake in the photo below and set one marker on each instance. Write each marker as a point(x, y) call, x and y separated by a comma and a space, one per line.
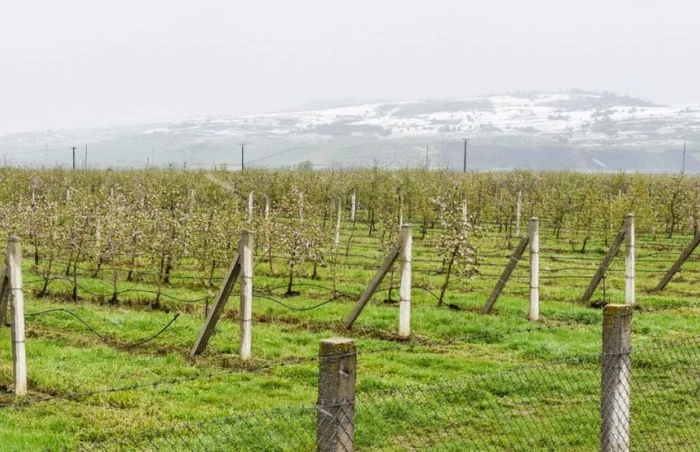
point(514, 258)
point(679, 262)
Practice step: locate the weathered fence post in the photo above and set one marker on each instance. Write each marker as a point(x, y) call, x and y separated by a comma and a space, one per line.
point(335, 410)
point(629, 261)
point(353, 205)
point(338, 220)
point(616, 378)
point(518, 206)
point(246, 307)
point(19, 357)
point(406, 244)
point(607, 260)
point(534, 234)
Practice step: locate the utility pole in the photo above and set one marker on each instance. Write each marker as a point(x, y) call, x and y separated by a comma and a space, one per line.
point(73, 158)
point(242, 156)
point(683, 170)
point(466, 140)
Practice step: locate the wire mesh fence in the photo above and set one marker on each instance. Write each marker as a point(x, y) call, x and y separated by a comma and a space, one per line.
point(644, 400)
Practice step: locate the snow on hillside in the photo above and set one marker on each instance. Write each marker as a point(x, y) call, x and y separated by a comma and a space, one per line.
point(573, 120)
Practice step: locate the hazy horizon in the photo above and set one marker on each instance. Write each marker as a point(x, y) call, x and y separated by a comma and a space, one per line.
point(81, 64)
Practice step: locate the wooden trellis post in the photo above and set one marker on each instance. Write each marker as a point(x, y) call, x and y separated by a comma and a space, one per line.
point(238, 266)
point(626, 235)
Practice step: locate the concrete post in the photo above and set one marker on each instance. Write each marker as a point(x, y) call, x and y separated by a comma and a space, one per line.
point(406, 244)
point(335, 414)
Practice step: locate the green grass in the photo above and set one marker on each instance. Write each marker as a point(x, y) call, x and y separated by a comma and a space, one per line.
point(73, 372)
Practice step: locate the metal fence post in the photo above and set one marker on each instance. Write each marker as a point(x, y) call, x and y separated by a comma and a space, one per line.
point(406, 244)
point(534, 233)
point(616, 378)
point(19, 357)
point(335, 415)
point(245, 252)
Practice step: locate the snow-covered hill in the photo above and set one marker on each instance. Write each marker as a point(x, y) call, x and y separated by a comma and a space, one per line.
point(574, 129)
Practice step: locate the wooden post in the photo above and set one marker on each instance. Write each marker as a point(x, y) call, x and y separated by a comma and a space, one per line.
point(607, 260)
point(534, 234)
point(372, 286)
point(465, 217)
point(616, 378)
point(245, 250)
point(335, 409)
point(518, 205)
point(677, 265)
point(219, 302)
point(406, 247)
point(301, 208)
point(4, 295)
point(353, 205)
point(400, 218)
point(629, 260)
point(19, 356)
point(251, 201)
point(517, 254)
point(338, 220)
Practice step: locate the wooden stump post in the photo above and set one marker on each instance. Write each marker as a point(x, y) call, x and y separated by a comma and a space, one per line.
point(534, 234)
point(406, 247)
point(335, 409)
point(616, 378)
point(245, 250)
point(629, 260)
point(19, 356)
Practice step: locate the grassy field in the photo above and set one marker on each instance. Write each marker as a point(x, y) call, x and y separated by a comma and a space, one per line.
point(89, 386)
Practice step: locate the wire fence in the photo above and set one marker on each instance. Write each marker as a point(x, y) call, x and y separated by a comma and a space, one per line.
point(643, 400)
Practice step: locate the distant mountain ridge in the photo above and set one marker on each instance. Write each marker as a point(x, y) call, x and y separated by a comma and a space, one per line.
point(574, 129)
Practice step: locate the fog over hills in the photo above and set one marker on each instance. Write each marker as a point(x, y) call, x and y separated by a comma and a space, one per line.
point(574, 130)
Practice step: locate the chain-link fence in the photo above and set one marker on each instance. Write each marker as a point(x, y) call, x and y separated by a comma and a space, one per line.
point(578, 404)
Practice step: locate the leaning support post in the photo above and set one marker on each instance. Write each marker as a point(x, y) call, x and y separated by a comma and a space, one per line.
point(406, 246)
point(629, 259)
point(616, 378)
point(517, 254)
point(335, 409)
point(534, 234)
point(19, 356)
point(607, 260)
point(372, 286)
point(219, 302)
point(4, 295)
point(675, 268)
point(246, 306)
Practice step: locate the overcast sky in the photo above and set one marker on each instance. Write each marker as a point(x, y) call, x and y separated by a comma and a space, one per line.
point(77, 63)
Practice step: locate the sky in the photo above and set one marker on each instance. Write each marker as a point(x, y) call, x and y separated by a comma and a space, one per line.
point(79, 63)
